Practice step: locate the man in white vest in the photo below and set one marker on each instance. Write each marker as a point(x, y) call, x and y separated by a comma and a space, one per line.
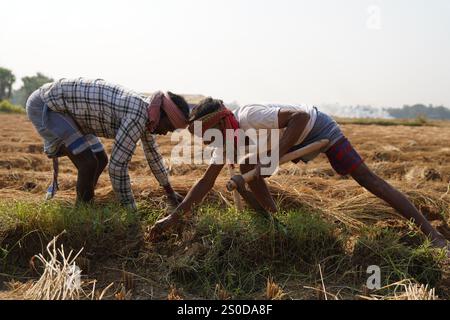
point(298, 125)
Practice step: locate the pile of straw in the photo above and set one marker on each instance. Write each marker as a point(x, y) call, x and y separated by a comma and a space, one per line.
point(61, 278)
point(406, 290)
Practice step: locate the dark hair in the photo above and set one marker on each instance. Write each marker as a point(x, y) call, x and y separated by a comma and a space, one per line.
point(180, 102)
point(204, 107)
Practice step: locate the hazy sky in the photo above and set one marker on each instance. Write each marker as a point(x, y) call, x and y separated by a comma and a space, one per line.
point(379, 52)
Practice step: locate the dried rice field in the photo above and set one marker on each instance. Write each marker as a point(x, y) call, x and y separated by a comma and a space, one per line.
point(414, 159)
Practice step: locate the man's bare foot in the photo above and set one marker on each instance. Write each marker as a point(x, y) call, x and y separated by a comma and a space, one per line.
point(163, 225)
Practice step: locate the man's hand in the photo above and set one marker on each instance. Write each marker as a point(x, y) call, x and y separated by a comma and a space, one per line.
point(163, 225)
point(240, 183)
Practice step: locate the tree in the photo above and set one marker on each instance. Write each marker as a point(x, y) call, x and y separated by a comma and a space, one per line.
point(7, 79)
point(30, 84)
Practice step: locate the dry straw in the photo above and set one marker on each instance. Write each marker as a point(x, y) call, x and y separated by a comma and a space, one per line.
point(274, 291)
point(406, 290)
point(61, 278)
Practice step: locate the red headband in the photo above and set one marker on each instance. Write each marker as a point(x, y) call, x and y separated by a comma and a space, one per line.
point(162, 100)
point(212, 119)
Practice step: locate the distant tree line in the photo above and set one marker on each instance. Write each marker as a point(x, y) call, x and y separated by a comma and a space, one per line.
point(7, 79)
point(20, 96)
point(420, 110)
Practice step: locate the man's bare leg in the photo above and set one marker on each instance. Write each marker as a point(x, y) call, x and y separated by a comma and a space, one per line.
point(102, 162)
point(397, 200)
point(248, 196)
point(87, 164)
point(260, 190)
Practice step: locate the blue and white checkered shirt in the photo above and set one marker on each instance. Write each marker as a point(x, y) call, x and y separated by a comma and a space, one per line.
point(110, 111)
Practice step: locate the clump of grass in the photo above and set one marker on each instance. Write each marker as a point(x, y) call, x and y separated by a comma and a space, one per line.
point(397, 261)
point(26, 227)
point(311, 237)
point(151, 211)
point(8, 107)
point(241, 250)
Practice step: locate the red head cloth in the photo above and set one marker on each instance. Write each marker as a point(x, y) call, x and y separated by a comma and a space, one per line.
point(212, 119)
point(162, 100)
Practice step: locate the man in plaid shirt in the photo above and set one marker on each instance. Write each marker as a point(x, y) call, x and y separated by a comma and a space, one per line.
point(71, 113)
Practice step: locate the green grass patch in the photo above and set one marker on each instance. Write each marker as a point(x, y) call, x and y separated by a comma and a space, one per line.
point(26, 228)
point(240, 251)
point(398, 261)
point(8, 107)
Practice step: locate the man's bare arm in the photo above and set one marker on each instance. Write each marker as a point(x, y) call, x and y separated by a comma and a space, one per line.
point(194, 196)
point(295, 123)
point(200, 189)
